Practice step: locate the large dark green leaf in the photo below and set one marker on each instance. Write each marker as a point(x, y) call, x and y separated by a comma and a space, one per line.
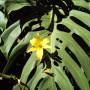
point(9, 36)
point(3, 21)
point(82, 3)
point(30, 65)
point(76, 72)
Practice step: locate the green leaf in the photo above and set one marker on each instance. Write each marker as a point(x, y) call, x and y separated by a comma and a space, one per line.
point(36, 77)
point(3, 21)
point(61, 79)
point(80, 54)
point(12, 6)
point(76, 28)
point(2, 2)
point(29, 66)
point(47, 83)
point(76, 72)
point(82, 16)
point(82, 3)
point(74, 69)
point(9, 36)
point(7, 31)
point(46, 20)
point(17, 50)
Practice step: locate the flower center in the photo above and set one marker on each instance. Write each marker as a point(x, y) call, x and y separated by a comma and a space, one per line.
point(39, 45)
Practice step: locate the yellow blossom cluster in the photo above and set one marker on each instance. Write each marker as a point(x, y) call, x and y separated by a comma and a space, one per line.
point(38, 45)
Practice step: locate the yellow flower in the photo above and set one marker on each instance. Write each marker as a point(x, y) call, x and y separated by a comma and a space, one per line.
point(38, 44)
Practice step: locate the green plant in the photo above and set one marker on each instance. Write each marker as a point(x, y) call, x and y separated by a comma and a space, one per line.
point(67, 24)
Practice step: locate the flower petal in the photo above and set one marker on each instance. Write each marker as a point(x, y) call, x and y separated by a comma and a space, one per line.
point(31, 49)
point(46, 46)
point(45, 41)
point(33, 41)
point(39, 53)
